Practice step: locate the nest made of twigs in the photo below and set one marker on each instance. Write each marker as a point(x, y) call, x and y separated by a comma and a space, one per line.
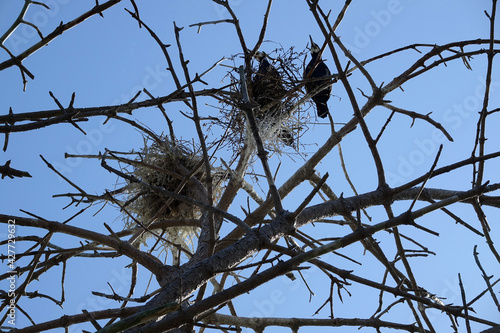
point(279, 115)
point(166, 165)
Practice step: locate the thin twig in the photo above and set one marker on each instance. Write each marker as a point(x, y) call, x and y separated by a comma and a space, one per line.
point(487, 279)
point(464, 302)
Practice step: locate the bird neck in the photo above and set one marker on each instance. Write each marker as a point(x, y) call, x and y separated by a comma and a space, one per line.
point(264, 64)
point(314, 55)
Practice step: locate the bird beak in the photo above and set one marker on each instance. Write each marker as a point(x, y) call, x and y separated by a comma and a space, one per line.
point(311, 40)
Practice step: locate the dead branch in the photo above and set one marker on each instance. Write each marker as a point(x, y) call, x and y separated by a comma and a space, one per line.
point(7, 171)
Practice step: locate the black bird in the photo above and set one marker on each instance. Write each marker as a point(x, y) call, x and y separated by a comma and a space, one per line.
point(264, 64)
point(321, 70)
point(267, 87)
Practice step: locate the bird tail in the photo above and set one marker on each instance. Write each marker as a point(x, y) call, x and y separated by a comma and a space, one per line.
point(322, 110)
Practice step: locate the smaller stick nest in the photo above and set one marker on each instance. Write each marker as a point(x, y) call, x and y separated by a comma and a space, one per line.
point(279, 116)
point(166, 165)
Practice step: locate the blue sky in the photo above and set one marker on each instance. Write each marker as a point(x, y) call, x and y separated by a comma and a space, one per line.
point(106, 60)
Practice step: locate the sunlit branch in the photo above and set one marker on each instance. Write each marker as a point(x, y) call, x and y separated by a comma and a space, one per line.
point(258, 324)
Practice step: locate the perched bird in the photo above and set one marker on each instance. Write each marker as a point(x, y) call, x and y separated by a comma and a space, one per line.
point(264, 64)
point(267, 86)
point(268, 91)
point(321, 70)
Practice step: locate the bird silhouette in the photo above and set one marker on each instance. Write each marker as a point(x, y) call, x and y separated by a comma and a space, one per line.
point(267, 91)
point(319, 70)
point(267, 86)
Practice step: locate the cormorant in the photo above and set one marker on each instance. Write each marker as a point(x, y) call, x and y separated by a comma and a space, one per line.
point(264, 64)
point(267, 87)
point(321, 70)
